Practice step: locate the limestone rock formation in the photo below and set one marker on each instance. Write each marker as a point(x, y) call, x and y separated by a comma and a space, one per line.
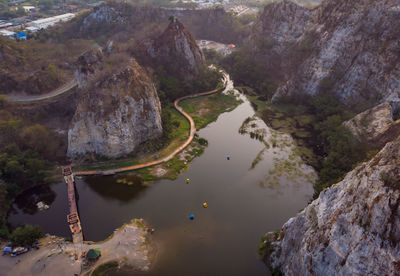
point(353, 228)
point(280, 25)
point(87, 65)
point(376, 125)
point(117, 112)
point(103, 16)
point(349, 47)
point(175, 50)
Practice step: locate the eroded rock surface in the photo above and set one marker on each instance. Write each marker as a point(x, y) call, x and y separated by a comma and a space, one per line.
point(175, 50)
point(353, 228)
point(348, 47)
point(375, 125)
point(116, 113)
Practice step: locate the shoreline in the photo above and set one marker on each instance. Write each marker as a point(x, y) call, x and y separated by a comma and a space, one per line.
point(129, 245)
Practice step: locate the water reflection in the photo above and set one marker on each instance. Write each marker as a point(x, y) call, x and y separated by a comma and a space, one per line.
point(122, 188)
point(27, 201)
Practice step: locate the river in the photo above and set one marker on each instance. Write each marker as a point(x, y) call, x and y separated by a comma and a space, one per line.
point(243, 202)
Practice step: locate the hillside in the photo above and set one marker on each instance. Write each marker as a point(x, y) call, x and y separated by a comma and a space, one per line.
point(35, 67)
point(333, 48)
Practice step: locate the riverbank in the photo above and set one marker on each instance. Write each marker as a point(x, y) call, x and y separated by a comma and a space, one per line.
point(175, 157)
point(129, 245)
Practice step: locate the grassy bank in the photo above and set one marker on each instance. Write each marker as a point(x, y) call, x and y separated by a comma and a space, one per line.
point(205, 110)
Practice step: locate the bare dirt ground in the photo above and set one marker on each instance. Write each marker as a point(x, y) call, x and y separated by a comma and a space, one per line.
point(129, 245)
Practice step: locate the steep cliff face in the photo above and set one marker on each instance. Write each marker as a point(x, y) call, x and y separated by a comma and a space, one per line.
point(175, 50)
point(349, 47)
point(280, 25)
point(116, 113)
point(353, 228)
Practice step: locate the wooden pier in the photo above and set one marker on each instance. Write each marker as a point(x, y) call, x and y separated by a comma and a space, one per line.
point(73, 216)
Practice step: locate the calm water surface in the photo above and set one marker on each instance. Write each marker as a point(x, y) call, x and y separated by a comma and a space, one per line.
point(221, 240)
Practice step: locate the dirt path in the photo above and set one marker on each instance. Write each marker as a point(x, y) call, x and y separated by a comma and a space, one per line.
point(161, 160)
point(58, 91)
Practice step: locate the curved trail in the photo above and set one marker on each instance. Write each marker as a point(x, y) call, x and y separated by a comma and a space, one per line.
point(56, 92)
point(161, 160)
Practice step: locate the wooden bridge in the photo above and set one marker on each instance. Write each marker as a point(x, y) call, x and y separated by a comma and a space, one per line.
point(73, 216)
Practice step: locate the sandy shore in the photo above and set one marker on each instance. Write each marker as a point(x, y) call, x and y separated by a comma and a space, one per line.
point(129, 245)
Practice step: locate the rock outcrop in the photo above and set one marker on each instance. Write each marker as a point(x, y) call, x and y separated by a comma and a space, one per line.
point(102, 17)
point(376, 125)
point(353, 228)
point(117, 112)
point(175, 50)
point(280, 25)
point(87, 65)
point(348, 47)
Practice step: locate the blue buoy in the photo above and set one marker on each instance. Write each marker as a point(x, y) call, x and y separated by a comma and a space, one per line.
point(228, 157)
point(191, 216)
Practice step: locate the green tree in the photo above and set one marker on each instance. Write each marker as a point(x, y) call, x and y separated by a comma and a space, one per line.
point(26, 235)
point(35, 137)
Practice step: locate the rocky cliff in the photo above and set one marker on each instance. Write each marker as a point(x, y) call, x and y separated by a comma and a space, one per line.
point(280, 25)
point(175, 50)
point(117, 112)
point(348, 47)
point(376, 125)
point(87, 65)
point(353, 228)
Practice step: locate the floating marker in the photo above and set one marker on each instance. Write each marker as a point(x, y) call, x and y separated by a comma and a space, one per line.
point(205, 205)
point(228, 157)
point(191, 216)
point(187, 180)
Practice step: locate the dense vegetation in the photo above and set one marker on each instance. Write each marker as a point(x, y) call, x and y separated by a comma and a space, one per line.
point(25, 147)
point(26, 235)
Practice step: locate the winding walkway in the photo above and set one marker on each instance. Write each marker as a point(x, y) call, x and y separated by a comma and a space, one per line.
point(171, 155)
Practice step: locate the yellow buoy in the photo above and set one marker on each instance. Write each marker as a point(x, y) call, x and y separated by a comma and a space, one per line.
point(187, 180)
point(205, 205)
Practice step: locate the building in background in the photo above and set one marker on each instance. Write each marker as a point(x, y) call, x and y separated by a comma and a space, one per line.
point(29, 8)
point(50, 21)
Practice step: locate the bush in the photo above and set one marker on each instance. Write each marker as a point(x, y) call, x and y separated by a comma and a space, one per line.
point(26, 235)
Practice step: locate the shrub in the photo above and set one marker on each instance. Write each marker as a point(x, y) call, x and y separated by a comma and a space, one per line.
point(26, 235)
